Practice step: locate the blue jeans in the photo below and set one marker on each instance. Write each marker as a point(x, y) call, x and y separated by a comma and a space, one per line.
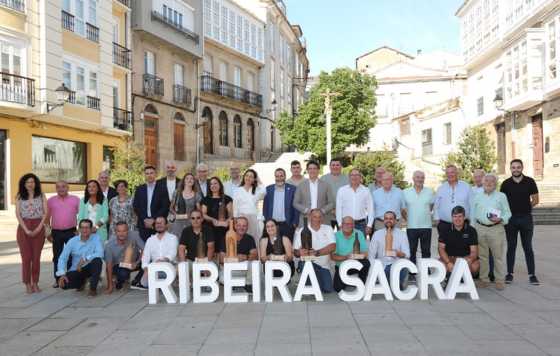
point(323, 276)
point(402, 276)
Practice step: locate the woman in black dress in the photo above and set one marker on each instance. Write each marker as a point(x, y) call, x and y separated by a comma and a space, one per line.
point(217, 208)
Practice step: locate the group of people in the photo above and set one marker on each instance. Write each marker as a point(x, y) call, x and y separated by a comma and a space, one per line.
point(326, 219)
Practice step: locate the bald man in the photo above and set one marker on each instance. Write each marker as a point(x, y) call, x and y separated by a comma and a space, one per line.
point(170, 182)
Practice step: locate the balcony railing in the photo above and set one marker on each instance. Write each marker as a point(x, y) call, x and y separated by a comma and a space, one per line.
point(177, 26)
point(71, 97)
point(93, 103)
point(216, 86)
point(92, 33)
point(18, 5)
point(182, 95)
point(153, 86)
point(17, 89)
point(122, 120)
point(67, 21)
point(125, 2)
point(121, 55)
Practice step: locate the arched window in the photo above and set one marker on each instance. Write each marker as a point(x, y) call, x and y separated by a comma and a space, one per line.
point(237, 131)
point(179, 117)
point(251, 134)
point(208, 133)
point(150, 109)
point(223, 120)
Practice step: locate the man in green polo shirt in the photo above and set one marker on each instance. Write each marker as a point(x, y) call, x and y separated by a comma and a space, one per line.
point(345, 238)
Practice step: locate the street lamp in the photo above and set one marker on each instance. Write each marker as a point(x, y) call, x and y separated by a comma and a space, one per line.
point(499, 101)
point(62, 94)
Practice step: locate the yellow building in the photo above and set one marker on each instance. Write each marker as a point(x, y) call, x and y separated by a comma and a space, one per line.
point(83, 45)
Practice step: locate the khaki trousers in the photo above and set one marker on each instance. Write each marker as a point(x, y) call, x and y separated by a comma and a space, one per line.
point(491, 239)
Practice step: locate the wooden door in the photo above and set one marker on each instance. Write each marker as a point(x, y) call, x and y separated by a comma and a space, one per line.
point(208, 137)
point(538, 154)
point(150, 141)
point(501, 147)
point(179, 141)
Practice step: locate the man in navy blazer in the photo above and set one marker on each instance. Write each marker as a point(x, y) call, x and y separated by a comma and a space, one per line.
point(150, 201)
point(281, 210)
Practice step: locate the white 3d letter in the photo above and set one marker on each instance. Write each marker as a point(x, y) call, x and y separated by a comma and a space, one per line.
point(354, 280)
point(279, 282)
point(461, 271)
point(410, 292)
point(154, 283)
point(209, 281)
point(313, 288)
point(184, 282)
point(377, 273)
point(230, 281)
point(434, 279)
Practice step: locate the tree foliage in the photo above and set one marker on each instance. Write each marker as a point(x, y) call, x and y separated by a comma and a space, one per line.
point(368, 162)
point(352, 114)
point(475, 150)
point(128, 164)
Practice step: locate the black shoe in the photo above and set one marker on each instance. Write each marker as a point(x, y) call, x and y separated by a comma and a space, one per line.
point(509, 278)
point(138, 286)
point(533, 280)
point(119, 285)
point(249, 289)
point(491, 277)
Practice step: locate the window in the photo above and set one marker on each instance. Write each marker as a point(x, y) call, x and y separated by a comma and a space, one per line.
point(405, 103)
point(149, 63)
point(208, 18)
point(480, 106)
point(448, 133)
point(54, 159)
point(12, 58)
point(237, 76)
point(223, 71)
point(272, 74)
point(224, 26)
point(223, 121)
point(208, 64)
point(80, 78)
point(237, 130)
point(84, 11)
point(178, 74)
point(551, 57)
point(179, 140)
point(251, 134)
point(426, 142)
point(250, 85)
point(281, 83)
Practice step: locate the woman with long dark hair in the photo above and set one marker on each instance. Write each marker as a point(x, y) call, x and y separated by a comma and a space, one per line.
point(31, 213)
point(267, 249)
point(94, 207)
point(245, 202)
point(217, 210)
point(185, 200)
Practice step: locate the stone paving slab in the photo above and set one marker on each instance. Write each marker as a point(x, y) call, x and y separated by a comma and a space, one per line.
point(522, 320)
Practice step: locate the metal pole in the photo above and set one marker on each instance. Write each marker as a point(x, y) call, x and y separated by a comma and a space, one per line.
point(328, 118)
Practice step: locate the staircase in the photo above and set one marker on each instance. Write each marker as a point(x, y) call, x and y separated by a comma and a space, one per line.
point(548, 210)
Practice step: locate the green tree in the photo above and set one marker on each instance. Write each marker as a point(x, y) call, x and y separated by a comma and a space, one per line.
point(128, 164)
point(368, 162)
point(475, 150)
point(352, 114)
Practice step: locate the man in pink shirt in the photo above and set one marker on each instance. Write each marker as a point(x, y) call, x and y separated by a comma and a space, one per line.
point(62, 213)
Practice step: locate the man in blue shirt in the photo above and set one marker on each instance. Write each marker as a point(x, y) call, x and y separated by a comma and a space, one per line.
point(387, 198)
point(86, 253)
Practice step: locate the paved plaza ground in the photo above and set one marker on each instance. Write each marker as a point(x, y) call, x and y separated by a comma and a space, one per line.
point(522, 320)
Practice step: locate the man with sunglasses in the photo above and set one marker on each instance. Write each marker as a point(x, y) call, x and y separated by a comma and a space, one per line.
point(190, 236)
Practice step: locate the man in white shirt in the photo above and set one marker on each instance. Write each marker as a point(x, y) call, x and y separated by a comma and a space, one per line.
point(170, 182)
point(354, 200)
point(323, 243)
point(389, 254)
point(233, 183)
point(160, 247)
point(313, 193)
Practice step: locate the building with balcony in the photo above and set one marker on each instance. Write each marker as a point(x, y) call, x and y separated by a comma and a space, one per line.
point(510, 49)
point(168, 45)
point(83, 45)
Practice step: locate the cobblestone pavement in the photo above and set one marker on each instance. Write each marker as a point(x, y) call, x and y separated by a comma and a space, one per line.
point(522, 320)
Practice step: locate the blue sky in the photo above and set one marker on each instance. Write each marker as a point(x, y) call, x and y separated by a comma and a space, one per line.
point(339, 31)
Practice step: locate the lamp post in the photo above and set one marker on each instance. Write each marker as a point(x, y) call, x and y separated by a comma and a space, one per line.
point(328, 116)
point(62, 95)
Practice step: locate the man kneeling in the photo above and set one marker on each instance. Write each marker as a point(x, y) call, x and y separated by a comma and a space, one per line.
point(122, 256)
point(345, 243)
point(460, 240)
point(86, 252)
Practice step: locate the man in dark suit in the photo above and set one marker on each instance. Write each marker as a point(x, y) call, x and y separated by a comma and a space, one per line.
point(202, 181)
point(169, 183)
point(150, 201)
point(278, 204)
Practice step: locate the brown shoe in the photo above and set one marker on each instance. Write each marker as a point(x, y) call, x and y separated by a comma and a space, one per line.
point(500, 286)
point(92, 293)
point(482, 284)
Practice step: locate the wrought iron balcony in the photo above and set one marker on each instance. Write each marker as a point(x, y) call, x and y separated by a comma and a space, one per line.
point(216, 86)
point(18, 5)
point(93, 103)
point(17, 89)
point(153, 86)
point(71, 97)
point(125, 2)
point(182, 95)
point(121, 55)
point(177, 26)
point(92, 33)
point(122, 120)
point(67, 21)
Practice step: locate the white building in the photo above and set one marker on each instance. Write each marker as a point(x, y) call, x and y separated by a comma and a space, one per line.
point(510, 50)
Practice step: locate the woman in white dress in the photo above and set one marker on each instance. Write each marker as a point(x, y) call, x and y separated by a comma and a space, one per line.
point(245, 202)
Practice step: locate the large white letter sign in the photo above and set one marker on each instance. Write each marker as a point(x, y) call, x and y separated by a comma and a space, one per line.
point(351, 280)
point(410, 292)
point(209, 281)
point(256, 280)
point(377, 274)
point(434, 279)
point(279, 282)
point(184, 282)
point(230, 281)
point(461, 271)
point(155, 283)
point(313, 288)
